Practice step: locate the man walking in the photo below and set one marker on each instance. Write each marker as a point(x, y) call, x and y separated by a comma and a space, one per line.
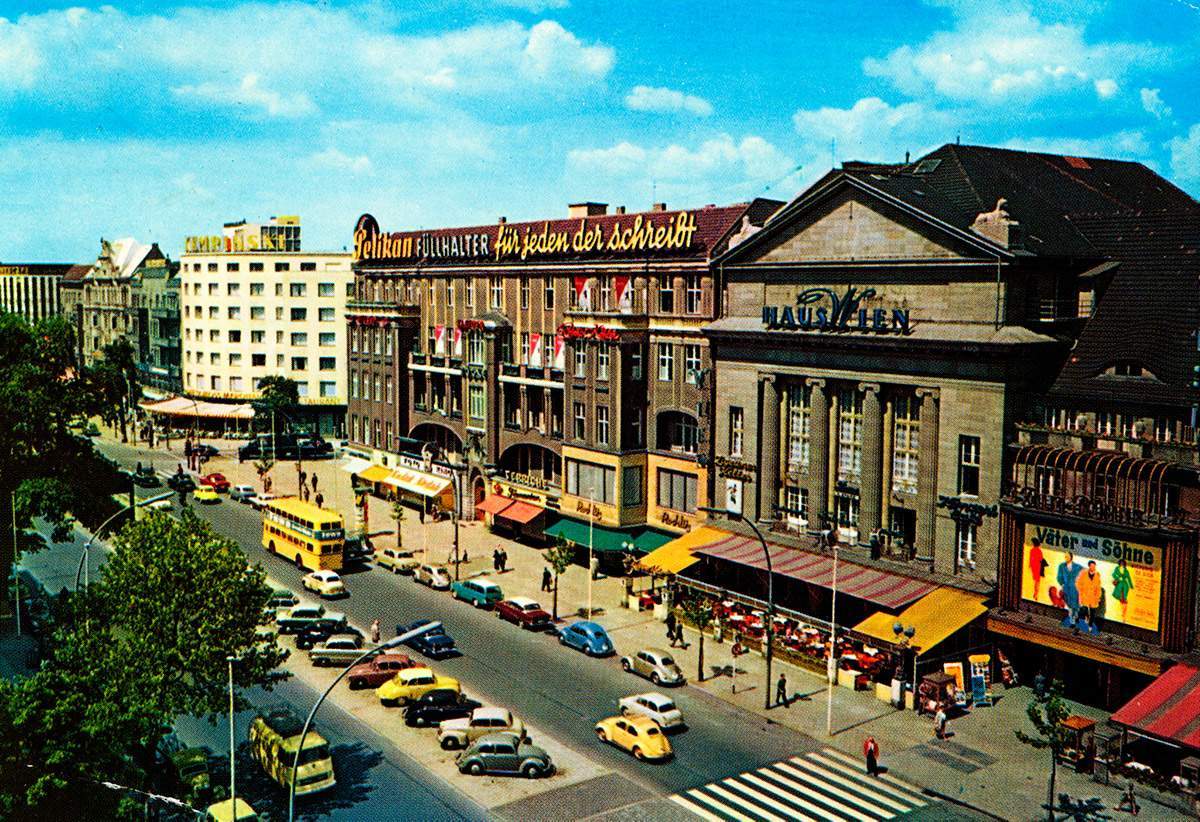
point(939, 723)
point(503, 560)
point(375, 632)
point(496, 559)
point(781, 695)
point(871, 752)
point(671, 628)
point(546, 579)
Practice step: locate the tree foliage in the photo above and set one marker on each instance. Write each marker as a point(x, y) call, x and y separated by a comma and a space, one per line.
point(398, 512)
point(1046, 711)
point(277, 394)
point(560, 556)
point(699, 612)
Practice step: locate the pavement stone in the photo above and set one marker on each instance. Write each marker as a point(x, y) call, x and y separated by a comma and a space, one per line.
point(600, 795)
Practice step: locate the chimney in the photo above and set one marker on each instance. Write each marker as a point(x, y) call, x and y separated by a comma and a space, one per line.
point(619, 210)
point(502, 220)
point(998, 227)
point(588, 209)
point(659, 207)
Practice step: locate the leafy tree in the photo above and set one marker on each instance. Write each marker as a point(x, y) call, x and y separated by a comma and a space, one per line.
point(398, 515)
point(699, 612)
point(559, 556)
point(1046, 711)
point(263, 468)
point(277, 395)
point(119, 375)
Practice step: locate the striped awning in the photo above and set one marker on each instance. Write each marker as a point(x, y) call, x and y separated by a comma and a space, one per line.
point(493, 504)
point(521, 512)
point(1168, 709)
point(936, 616)
point(870, 584)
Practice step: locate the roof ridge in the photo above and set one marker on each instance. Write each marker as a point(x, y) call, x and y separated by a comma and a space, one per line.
point(967, 177)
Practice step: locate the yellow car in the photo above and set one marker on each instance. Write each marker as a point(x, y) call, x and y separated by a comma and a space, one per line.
point(640, 735)
point(207, 495)
point(412, 683)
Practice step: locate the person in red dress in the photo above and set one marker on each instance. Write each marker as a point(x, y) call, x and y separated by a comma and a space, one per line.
point(1037, 565)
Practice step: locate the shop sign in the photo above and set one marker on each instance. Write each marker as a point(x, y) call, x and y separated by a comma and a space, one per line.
point(530, 480)
point(834, 312)
point(642, 234)
point(733, 496)
point(597, 332)
point(13, 270)
point(218, 244)
point(419, 465)
point(673, 519)
point(588, 509)
point(1095, 578)
point(735, 469)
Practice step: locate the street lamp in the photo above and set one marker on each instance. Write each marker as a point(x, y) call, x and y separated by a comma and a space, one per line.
point(455, 514)
point(591, 543)
point(87, 548)
point(232, 744)
point(391, 643)
point(831, 670)
point(769, 633)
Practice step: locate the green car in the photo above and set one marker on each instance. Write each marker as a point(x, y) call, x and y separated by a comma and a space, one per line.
point(482, 593)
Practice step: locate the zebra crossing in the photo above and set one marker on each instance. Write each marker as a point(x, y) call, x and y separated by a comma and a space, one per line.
point(822, 785)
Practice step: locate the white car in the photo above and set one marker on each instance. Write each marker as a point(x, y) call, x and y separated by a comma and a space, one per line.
point(325, 584)
point(257, 501)
point(241, 493)
point(435, 576)
point(459, 733)
point(396, 561)
point(660, 708)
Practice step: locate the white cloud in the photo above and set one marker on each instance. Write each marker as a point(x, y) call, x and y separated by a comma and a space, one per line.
point(534, 6)
point(1122, 145)
point(752, 158)
point(1153, 103)
point(653, 98)
point(1185, 155)
point(250, 94)
point(1106, 88)
point(872, 129)
point(335, 159)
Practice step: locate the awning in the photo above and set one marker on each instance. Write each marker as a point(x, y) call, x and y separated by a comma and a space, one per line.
point(493, 504)
point(580, 533)
point(373, 473)
point(417, 482)
point(650, 540)
point(871, 584)
point(185, 407)
point(520, 512)
point(355, 465)
point(1168, 709)
point(936, 616)
point(676, 555)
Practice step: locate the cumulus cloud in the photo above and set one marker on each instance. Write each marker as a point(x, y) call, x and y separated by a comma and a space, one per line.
point(1153, 103)
point(751, 158)
point(667, 100)
point(872, 129)
point(1185, 155)
point(335, 159)
point(1106, 88)
point(250, 94)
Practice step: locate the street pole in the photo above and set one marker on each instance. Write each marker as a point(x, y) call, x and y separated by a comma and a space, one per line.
point(831, 673)
point(391, 643)
point(16, 559)
point(232, 759)
point(83, 561)
point(591, 545)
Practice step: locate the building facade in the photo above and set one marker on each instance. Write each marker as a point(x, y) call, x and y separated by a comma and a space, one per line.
point(564, 356)
point(254, 306)
point(157, 330)
point(32, 289)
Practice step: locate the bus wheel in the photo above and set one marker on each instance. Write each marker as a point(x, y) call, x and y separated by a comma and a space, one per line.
point(299, 562)
point(271, 547)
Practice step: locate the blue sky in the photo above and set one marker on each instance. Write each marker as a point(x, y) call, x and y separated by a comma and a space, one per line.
point(159, 121)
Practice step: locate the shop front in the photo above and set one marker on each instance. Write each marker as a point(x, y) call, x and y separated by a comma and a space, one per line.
point(431, 494)
point(615, 548)
point(515, 518)
point(677, 490)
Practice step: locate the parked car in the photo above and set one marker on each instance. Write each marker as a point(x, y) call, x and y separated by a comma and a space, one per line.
point(180, 481)
point(640, 735)
point(377, 670)
point(242, 493)
point(436, 644)
point(438, 705)
point(413, 683)
point(396, 560)
point(224, 811)
point(283, 445)
point(655, 664)
point(525, 612)
point(260, 499)
point(662, 709)
point(189, 773)
point(205, 450)
point(435, 576)
point(337, 650)
point(292, 620)
point(145, 477)
point(215, 481)
point(280, 598)
point(325, 584)
point(481, 593)
point(318, 632)
point(588, 637)
point(505, 753)
point(357, 548)
point(315, 448)
point(206, 495)
point(458, 733)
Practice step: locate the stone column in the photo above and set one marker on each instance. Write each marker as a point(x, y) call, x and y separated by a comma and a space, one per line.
point(818, 454)
point(768, 448)
point(870, 493)
point(927, 469)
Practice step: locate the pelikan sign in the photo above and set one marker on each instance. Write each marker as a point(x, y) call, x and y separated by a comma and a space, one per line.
point(822, 309)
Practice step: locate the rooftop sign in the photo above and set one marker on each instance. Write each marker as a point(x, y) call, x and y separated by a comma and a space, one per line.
point(837, 313)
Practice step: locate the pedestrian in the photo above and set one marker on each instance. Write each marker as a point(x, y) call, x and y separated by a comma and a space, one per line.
point(671, 628)
point(546, 579)
point(595, 567)
point(781, 695)
point(320, 500)
point(679, 636)
point(939, 722)
point(1128, 800)
point(496, 559)
point(375, 632)
point(871, 752)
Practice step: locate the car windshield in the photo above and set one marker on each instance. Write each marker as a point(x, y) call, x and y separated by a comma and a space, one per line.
point(314, 753)
point(666, 660)
point(663, 706)
point(652, 731)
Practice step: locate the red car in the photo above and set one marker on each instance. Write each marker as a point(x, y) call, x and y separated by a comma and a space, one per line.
point(377, 670)
point(524, 612)
point(217, 482)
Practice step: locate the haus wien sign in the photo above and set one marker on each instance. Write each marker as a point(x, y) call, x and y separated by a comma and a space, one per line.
point(823, 309)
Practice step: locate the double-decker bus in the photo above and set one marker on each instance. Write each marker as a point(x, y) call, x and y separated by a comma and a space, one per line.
point(311, 537)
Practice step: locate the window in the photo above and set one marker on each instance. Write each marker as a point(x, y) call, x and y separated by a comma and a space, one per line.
point(676, 491)
point(235, 312)
point(548, 294)
point(214, 358)
point(580, 360)
point(497, 299)
point(235, 336)
point(235, 359)
point(214, 335)
point(279, 312)
point(232, 266)
point(302, 389)
point(525, 348)
point(388, 338)
point(906, 436)
point(328, 388)
point(602, 362)
point(637, 428)
point(965, 537)
point(692, 294)
point(327, 363)
point(470, 293)
point(388, 389)
point(525, 292)
point(325, 315)
point(257, 312)
point(602, 425)
point(278, 289)
point(799, 400)
point(850, 422)
point(968, 466)
point(256, 289)
point(283, 266)
point(212, 288)
point(475, 347)
point(691, 363)
point(432, 292)
point(258, 336)
point(845, 514)
point(213, 312)
point(666, 362)
point(666, 295)
point(605, 293)
point(1164, 429)
point(299, 314)
point(580, 420)
point(308, 266)
point(475, 402)
point(591, 481)
point(795, 504)
point(635, 363)
point(377, 391)
point(215, 382)
point(235, 383)
point(299, 363)
point(353, 384)
point(232, 288)
point(256, 266)
point(326, 338)
point(325, 290)
point(299, 338)
point(736, 430)
point(377, 337)
point(279, 361)
point(1106, 422)
point(258, 360)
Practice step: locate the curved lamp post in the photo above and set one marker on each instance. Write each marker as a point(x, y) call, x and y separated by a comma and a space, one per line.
point(391, 643)
point(87, 548)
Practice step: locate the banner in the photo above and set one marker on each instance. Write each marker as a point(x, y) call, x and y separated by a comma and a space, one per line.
point(560, 352)
point(535, 350)
point(583, 293)
point(458, 343)
point(623, 290)
point(439, 340)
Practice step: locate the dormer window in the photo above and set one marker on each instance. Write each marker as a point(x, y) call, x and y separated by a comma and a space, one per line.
point(1128, 368)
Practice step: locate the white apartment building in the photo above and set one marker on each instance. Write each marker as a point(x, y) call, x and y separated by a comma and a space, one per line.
point(250, 314)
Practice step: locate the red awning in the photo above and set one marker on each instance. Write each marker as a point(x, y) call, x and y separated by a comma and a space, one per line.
point(870, 584)
point(520, 512)
point(493, 504)
point(1168, 709)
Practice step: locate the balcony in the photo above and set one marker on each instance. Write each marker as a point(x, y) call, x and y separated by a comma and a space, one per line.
point(510, 369)
point(418, 357)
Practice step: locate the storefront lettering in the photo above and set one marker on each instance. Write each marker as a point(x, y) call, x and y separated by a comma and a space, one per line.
point(1099, 547)
point(592, 332)
point(675, 520)
point(843, 313)
point(527, 479)
point(735, 469)
point(217, 244)
point(1091, 508)
point(588, 509)
point(643, 234)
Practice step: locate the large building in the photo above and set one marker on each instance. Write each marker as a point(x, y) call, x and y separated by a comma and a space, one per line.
point(563, 357)
point(254, 305)
point(32, 289)
point(157, 330)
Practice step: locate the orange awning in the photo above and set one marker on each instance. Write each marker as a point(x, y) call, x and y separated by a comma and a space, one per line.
point(493, 504)
point(520, 512)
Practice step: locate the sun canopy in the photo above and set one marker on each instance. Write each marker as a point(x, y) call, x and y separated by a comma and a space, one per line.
point(676, 555)
point(355, 465)
point(606, 539)
point(520, 512)
point(935, 617)
point(1168, 709)
point(493, 504)
point(184, 407)
point(417, 482)
point(373, 473)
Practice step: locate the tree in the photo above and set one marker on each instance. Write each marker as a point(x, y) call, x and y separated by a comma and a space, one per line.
point(1046, 711)
point(699, 612)
point(398, 515)
point(277, 395)
point(559, 556)
point(263, 467)
point(119, 374)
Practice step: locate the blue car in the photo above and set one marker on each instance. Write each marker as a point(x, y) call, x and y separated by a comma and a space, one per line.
point(435, 644)
point(588, 637)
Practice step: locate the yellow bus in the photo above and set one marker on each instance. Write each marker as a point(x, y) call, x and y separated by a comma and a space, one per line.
point(311, 537)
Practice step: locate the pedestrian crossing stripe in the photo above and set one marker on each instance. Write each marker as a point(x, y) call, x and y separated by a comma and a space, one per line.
point(822, 785)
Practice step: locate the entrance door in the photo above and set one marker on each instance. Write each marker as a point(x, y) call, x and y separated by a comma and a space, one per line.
point(903, 527)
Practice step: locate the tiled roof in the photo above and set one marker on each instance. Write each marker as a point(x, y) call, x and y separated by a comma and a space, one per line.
point(76, 273)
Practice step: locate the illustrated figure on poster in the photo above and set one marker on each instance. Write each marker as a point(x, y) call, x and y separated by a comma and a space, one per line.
point(1091, 590)
point(1122, 584)
point(1068, 572)
point(1037, 565)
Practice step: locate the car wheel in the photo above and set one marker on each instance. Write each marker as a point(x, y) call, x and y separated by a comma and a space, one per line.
point(624, 711)
point(299, 562)
point(625, 666)
point(601, 735)
point(387, 703)
point(475, 769)
point(531, 771)
point(637, 753)
point(357, 684)
point(271, 547)
point(449, 743)
point(476, 603)
point(656, 679)
point(419, 722)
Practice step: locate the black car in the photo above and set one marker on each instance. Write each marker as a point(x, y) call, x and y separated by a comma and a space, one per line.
point(306, 638)
point(181, 482)
point(205, 450)
point(357, 549)
point(315, 448)
point(284, 446)
point(145, 477)
point(437, 705)
point(435, 644)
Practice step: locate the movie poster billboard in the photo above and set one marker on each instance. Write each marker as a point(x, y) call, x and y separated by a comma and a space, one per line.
point(1092, 579)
